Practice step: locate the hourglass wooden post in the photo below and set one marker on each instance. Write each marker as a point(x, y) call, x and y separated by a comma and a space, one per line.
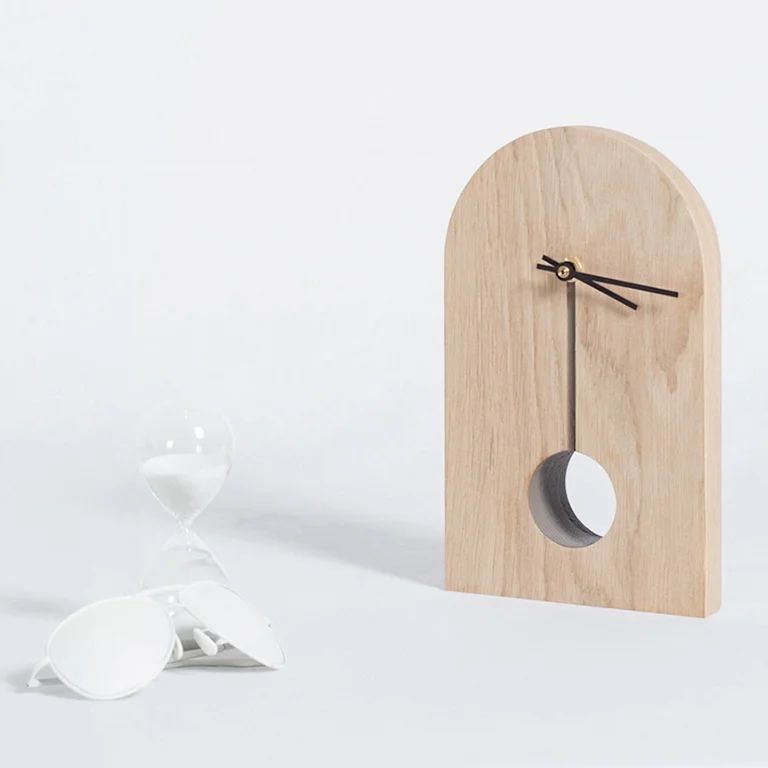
point(582, 313)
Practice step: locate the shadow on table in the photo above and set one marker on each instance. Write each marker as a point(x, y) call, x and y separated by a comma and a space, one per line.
point(397, 548)
point(39, 607)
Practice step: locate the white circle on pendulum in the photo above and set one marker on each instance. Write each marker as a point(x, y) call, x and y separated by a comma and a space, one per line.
point(590, 493)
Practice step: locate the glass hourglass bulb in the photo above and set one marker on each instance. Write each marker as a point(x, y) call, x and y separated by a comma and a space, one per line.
point(185, 454)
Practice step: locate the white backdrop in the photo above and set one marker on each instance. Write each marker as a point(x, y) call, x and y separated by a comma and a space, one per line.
point(245, 204)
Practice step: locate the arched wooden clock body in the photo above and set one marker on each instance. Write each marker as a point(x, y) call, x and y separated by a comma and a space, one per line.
point(536, 367)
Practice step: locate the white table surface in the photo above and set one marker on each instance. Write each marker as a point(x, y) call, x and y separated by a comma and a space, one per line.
point(385, 667)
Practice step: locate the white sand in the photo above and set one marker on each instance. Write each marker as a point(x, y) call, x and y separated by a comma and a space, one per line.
point(185, 483)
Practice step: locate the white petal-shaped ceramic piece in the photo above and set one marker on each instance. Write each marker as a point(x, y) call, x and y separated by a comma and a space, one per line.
point(227, 615)
point(112, 648)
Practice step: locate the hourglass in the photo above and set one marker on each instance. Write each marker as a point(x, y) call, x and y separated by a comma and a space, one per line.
point(185, 455)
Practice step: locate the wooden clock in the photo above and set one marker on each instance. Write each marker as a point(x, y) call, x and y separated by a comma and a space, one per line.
point(582, 313)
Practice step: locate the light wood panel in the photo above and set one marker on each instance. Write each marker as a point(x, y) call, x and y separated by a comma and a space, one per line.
point(647, 382)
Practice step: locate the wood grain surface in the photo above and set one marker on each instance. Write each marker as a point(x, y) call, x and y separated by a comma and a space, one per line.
point(647, 398)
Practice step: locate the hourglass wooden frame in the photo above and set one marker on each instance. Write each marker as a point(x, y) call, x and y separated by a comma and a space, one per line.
point(643, 385)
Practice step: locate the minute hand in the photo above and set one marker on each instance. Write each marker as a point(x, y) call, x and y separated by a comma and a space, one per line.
point(626, 284)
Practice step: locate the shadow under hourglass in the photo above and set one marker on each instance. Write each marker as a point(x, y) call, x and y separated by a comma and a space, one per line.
point(395, 548)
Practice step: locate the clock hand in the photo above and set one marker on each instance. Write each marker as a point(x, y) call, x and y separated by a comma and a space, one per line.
point(609, 280)
point(627, 284)
point(566, 271)
point(584, 279)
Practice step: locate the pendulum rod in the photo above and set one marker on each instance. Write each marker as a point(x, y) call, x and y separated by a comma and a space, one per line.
point(571, 311)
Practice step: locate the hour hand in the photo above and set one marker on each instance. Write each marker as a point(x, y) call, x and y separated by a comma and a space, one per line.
point(592, 284)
